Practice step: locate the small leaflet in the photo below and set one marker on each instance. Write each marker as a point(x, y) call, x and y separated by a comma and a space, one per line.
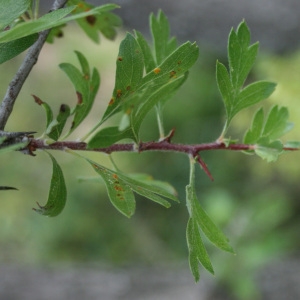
point(57, 193)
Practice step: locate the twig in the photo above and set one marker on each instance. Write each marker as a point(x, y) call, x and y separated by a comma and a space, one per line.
point(162, 146)
point(17, 82)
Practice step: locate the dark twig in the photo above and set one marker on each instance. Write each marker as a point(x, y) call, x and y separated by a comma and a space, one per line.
point(17, 82)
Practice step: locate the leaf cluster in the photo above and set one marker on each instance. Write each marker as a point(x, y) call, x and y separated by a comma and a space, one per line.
point(147, 75)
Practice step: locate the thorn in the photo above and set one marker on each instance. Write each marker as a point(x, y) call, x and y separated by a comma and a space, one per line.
point(169, 136)
point(204, 167)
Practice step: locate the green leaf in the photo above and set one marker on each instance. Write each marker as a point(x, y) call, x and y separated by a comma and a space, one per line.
point(109, 136)
point(106, 22)
point(129, 72)
point(197, 251)
point(148, 57)
point(11, 10)
point(55, 32)
point(14, 48)
point(200, 221)
point(252, 94)
point(162, 93)
point(134, 94)
point(277, 123)
point(148, 179)
point(55, 128)
point(86, 86)
point(225, 87)
point(160, 30)
point(212, 232)
point(150, 190)
point(57, 193)
point(269, 150)
point(48, 110)
point(85, 68)
point(50, 20)
point(120, 194)
point(241, 56)
point(254, 133)
point(270, 129)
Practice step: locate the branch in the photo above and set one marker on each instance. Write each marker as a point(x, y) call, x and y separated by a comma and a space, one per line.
point(162, 146)
point(17, 82)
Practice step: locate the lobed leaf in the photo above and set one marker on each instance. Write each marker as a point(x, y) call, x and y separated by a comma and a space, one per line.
point(120, 194)
point(134, 94)
point(149, 190)
point(212, 232)
point(241, 56)
point(275, 126)
point(252, 94)
point(200, 221)
point(147, 53)
point(269, 150)
point(148, 179)
point(197, 250)
point(162, 93)
point(129, 72)
point(91, 25)
point(57, 194)
point(86, 86)
point(48, 21)
point(160, 30)
point(277, 123)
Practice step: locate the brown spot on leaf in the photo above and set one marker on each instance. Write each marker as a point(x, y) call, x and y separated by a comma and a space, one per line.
point(37, 100)
point(119, 93)
point(91, 20)
point(120, 58)
point(157, 70)
point(112, 101)
point(179, 62)
point(128, 88)
point(79, 98)
point(172, 74)
point(118, 188)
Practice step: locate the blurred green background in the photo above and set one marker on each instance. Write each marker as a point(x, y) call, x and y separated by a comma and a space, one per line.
point(255, 203)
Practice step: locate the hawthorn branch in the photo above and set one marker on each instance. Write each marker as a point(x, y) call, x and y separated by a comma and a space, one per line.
point(161, 146)
point(20, 77)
